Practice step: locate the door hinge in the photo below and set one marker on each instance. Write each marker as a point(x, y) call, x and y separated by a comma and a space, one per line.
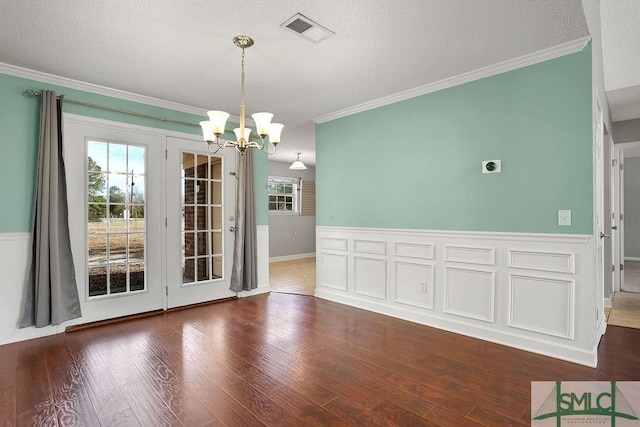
point(165, 222)
point(621, 166)
point(166, 290)
point(621, 216)
point(613, 162)
point(613, 268)
point(166, 154)
point(621, 267)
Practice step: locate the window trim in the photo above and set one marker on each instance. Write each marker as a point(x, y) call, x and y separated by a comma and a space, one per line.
point(295, 193)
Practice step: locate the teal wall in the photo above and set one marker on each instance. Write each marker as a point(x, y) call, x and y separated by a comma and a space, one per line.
point(416, 164)
point(19, 117)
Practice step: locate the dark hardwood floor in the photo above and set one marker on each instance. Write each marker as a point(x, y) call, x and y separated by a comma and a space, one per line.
point(282, 360)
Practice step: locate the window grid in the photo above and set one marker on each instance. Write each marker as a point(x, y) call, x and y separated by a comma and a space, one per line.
point(116, 242)
point(202, 209)
point(282, 194)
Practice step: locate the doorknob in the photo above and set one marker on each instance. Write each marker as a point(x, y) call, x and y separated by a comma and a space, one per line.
point(614, 227)
point(232, 229)
point(602, 235)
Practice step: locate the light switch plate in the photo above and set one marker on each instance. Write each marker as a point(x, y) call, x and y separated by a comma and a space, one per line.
point(564, 217)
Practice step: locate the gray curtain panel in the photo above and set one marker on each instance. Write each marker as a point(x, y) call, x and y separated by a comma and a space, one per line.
point(244, 273)
point(52, 292)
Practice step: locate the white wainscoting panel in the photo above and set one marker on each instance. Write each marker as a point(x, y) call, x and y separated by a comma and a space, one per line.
point(526, 290)
point(470, 255)
point(334, 244)
point(378, 247)
point(414, 284)
point(414, 250)
point(469, 293)
point(544, 261)
point(542, 305)
point(370, 277)
point(14, 264)
point(333, 271)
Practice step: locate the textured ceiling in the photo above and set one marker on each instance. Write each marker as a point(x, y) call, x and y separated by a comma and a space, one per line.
point(181, 51)
point(621, 56)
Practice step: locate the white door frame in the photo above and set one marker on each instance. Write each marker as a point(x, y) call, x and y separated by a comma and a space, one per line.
point(180, 294)
point(160, 136)
point(76, 130)
point(599, 235)
point(618, 201)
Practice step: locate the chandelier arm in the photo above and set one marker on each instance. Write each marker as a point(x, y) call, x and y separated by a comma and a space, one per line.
point(213, 152)
point(266, 148)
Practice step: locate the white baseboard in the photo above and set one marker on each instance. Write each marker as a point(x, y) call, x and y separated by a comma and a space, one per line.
point(262, 289)
point(631, 258)
point(608, 302)
point(292, 257)
point(570, 354)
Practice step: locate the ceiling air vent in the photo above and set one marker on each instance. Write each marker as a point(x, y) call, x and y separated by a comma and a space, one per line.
point(306, 28)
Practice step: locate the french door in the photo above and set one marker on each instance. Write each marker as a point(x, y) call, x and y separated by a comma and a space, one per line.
point(115, 217)
point(151, 218)
point(200, 222)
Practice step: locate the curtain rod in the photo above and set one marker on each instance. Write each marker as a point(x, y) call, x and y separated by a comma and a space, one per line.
point(32, 93)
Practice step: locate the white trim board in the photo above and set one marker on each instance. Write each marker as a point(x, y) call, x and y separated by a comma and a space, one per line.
point(631, 258)
point(491, 70)
point(292, 257)
point(25, 73)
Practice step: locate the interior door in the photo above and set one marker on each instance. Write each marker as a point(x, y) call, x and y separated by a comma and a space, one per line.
point(621, 222)
point(200, 222)
point(115, 217)
point(599, 218)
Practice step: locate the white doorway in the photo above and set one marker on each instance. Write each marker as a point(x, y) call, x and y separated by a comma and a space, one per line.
point(627, 208)
point(150, 216)
point(200, 222)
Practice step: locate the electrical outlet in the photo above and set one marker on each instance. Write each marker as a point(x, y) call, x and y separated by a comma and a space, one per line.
point(423, 287)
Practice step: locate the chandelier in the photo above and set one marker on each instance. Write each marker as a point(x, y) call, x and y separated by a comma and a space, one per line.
point(213, 128)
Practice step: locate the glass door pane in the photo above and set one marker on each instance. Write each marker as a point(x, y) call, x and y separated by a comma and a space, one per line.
point(116, 205)
point(202, 218)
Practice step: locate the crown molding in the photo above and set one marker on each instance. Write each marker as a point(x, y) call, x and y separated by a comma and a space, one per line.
point(481, 73)
point(14, 70)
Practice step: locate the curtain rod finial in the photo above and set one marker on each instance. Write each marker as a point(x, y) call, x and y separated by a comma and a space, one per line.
point(31, 93)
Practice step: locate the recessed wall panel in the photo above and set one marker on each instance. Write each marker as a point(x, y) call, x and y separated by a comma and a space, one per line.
point(470, 293)
point(469, 254)
point(333, 243)
point(334, 271)
point(540, 304)
point(414, 284)
point(414, 250)
point(541, 260)
point(378, 247)
point(370, 277)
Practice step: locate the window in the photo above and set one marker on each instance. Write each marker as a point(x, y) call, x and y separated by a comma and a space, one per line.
point(283, 194)
point(116, 218)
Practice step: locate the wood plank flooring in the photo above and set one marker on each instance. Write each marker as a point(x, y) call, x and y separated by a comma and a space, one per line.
point(282, 360)
point(296, 276)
